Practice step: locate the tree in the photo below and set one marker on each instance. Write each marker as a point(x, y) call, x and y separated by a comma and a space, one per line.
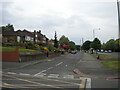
point(96, 44)
point(78, 47)
point(8, 27)
point(117, 45)
point(86, 45)
point(110, 45)
point(55, 41)
point(64, 40)
point(72, 45)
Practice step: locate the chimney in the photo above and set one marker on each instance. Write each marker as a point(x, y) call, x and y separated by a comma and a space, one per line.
point(39, 31)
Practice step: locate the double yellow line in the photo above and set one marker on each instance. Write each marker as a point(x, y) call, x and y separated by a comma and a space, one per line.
point(82, 85)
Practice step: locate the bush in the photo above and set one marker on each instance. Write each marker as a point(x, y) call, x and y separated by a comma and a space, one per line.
point(29, 46)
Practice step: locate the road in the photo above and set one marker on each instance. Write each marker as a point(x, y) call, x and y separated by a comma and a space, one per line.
point(53, 73)
point(58, 72)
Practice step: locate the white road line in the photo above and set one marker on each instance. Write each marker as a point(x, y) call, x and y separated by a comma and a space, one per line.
point(11, 73)
point(44, 71)
point(88, 83)
point(58, 64)
point(49, 68)
point(53, 76)
point(68, 76)
point(23, 74)
point(40, 72)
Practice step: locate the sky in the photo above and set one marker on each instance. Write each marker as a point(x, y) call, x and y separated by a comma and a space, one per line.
point(76, 19)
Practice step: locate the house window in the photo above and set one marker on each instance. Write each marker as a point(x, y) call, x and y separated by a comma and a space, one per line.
point(18, 38)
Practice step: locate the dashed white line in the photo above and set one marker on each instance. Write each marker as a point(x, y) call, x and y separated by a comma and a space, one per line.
point(58, 64)
point(53, 75)
point(11, 73)
point(68, 76)
point(23, 74)
point(41, 74)
point(49, 68)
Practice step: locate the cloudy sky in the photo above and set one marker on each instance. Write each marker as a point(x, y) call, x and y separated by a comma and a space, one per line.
point(75, 19)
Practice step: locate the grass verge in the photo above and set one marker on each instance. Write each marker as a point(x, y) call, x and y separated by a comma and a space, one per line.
point(11, 49)
point(114, 65)
point(105, 57)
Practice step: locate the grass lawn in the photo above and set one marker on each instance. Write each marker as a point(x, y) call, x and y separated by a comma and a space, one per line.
point(111, 63)
point(114, 65)
point(105, 57)
point(7, 49)
point(10, 49)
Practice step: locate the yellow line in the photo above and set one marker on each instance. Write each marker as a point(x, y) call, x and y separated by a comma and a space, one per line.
point(63, 81)
point(6, 84)
point(83, 84)
point(33, 82)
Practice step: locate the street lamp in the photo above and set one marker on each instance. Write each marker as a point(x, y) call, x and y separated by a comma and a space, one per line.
point(94, 32)
point(118, 8)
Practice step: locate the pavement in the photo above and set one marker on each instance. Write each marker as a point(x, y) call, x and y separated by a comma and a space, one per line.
point(101, 76)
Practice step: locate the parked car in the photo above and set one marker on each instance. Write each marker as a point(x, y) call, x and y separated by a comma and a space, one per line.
point(106, 51)
point(73, 52)
point(109, 51)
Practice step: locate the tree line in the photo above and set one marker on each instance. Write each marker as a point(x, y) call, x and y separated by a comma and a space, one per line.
point(113, 45)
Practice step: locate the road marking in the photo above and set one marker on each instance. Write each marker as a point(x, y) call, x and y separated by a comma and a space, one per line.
point(66, 65)
point(23, 74)
point(83, 82)
point(88, 81)
point(11, 73)
point(49, 68)
point(63, 81)
point(25, 80)
point(53, 75)
point(68, 76)
point(58, 64)
point(40, 72)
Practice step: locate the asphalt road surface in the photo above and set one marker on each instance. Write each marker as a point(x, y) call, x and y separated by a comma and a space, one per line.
point(54, 73)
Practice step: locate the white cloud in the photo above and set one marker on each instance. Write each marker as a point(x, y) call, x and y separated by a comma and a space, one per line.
point(73, 18)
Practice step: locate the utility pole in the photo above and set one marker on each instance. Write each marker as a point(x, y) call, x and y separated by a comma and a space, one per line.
point(118, 8)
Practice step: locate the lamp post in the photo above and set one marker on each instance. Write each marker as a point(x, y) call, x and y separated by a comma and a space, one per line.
point(118, 8)
point(94, 32)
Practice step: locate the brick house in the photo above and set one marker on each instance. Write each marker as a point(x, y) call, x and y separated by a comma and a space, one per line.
point(24, 36)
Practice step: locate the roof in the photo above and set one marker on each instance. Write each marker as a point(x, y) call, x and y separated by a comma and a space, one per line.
point(25, 32)
point(10, 33)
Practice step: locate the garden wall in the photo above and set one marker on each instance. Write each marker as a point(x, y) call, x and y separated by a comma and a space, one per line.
point(37, 56)
point(10, 56)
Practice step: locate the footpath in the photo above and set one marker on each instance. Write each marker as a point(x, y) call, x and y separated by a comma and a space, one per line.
point(15, 65)
point(101, 76)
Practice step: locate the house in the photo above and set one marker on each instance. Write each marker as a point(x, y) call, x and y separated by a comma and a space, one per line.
point(25, 36)
point(40, 38)
point(9, 36)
